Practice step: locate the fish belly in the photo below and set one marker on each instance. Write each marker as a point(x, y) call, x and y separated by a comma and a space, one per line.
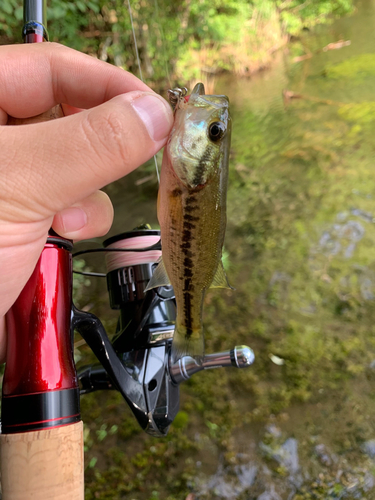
point(192, 226)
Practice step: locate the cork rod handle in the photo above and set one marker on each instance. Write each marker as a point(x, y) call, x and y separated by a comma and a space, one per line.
point(43, 465)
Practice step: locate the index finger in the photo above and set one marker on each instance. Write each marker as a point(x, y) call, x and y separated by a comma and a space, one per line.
point(36, 77)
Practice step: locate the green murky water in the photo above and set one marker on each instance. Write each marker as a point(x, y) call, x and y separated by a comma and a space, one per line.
point(299, 424)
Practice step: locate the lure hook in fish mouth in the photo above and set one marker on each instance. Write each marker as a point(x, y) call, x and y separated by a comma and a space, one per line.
point(179, 94)
point(176, 95)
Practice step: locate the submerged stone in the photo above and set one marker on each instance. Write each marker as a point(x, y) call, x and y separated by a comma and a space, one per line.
point(368, 447)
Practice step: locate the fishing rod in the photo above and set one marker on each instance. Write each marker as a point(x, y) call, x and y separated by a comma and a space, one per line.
point(41, 445)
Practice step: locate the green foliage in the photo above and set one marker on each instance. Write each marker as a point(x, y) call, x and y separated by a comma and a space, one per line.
point(217, 21)
point(11, 14)
point(68, 19)
point(176, 40)
point(181, 420)
point(299, 14)
point(80, 282)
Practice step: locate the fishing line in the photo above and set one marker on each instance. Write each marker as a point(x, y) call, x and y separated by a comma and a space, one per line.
point(156, 246)
point(89, 273)
point(137, 251)
point(140, 72)
point(163, 40)
point(135, 42)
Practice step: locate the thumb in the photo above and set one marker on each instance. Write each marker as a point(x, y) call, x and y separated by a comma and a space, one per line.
point(50, 166)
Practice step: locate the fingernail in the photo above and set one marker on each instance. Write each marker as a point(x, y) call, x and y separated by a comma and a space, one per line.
point(73, 219)
point(156, 114)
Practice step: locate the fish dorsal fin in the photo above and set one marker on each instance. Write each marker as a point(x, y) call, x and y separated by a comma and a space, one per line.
point(159, 278)
point(220, 279)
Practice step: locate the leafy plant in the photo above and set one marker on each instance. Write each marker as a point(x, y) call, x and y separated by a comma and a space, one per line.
point(177, 41)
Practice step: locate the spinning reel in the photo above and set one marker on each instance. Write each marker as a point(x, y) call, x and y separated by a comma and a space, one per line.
point(137, 362)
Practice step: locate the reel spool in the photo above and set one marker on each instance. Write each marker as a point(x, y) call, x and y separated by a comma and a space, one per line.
point(142, 315)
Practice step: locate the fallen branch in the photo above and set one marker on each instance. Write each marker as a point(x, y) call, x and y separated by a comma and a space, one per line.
point(331, 46)
point(288, 95)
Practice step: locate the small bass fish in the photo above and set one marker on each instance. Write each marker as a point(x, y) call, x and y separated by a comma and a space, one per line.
point(192, 212)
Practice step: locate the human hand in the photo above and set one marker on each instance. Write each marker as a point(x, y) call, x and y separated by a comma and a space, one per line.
point(50, 172)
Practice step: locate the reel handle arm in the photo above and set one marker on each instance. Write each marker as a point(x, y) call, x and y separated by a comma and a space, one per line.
point(239, 357)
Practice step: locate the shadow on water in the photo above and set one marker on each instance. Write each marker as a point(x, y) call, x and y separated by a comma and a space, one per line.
point(300, 244)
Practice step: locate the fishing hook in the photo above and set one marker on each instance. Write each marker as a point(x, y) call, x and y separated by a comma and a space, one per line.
point(176, 95)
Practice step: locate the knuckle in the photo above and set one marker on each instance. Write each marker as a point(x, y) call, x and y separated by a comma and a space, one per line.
point(108, 138)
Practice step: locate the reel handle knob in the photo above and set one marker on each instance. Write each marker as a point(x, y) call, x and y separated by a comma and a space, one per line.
point(239, 357)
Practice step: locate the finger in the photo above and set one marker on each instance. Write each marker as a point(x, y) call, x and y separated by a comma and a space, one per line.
point(3, 340)
point(3, 117)
point(89, 218)
point(52, 74)
point(55, 164)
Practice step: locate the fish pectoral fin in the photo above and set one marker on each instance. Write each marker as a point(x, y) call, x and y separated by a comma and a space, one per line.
point(159, 278)
point(220, 279)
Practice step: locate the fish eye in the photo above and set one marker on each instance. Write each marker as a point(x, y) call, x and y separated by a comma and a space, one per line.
point(216, 131)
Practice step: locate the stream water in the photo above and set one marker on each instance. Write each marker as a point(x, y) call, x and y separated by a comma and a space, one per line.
point(299, 249)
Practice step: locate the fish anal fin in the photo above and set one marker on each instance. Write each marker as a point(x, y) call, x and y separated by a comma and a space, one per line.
point(159, 278)
point(220, 279)
point(183, 345)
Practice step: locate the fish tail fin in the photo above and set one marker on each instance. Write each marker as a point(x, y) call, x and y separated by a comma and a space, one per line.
point(185, 344)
